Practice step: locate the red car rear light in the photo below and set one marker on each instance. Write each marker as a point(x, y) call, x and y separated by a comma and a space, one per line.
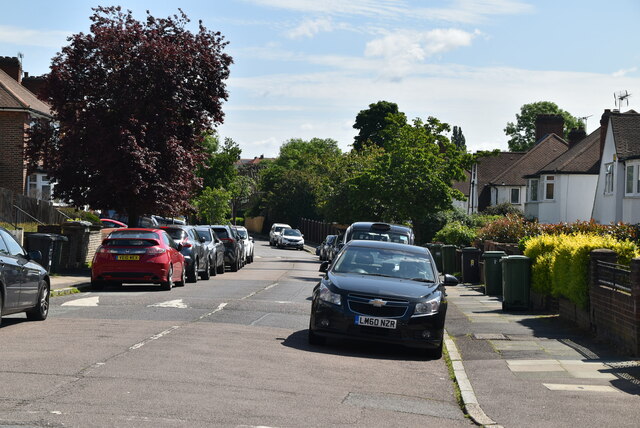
point(228, 240)
point(186, 243)
point(155, 251)
point(105, 250)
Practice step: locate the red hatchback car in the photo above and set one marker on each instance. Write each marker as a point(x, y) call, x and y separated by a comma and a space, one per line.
point(138, 256)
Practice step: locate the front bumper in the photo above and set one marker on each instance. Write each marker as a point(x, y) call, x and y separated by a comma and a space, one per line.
point(424, 332)
point(290, 244)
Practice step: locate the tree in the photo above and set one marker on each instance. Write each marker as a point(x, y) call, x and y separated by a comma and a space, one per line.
point(219, 170)
point(294, 184)
point(523, 132)
point(213, 205)
point(457, 138)
point(132, 101)
point(240, 190)
point(373, 121)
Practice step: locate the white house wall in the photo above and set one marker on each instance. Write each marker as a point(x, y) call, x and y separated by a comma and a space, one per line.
point(504, 195)
point(605, 206)
point(631, 210)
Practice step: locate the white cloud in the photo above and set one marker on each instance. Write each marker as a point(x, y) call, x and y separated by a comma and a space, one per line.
point(403, 49)
point(625, 71)
point(30, 37)
point(310, 27)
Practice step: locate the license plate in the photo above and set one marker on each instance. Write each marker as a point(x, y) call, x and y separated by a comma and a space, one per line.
point(375, 322)
point(127, 257)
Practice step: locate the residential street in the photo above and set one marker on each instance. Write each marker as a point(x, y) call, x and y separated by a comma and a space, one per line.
point(230, 351)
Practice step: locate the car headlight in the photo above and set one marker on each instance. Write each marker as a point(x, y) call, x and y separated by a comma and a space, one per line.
point(328, 296)
point(429, 307)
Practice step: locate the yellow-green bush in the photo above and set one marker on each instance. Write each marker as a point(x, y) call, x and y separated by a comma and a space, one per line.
point(560, 263)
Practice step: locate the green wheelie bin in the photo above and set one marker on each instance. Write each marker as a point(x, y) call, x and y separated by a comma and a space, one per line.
point(493, 272)
point(436, 252)
point(448, 259)
point(516, 281)
point(471, 265)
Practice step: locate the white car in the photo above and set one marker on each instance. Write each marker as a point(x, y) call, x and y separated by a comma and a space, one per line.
point(291, 238)
point(276, 231)
point(248, 243)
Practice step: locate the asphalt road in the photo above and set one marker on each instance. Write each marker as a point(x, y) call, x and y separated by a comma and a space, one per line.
point(230, 351)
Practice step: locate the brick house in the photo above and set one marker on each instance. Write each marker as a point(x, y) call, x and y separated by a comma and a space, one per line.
point(19, 106)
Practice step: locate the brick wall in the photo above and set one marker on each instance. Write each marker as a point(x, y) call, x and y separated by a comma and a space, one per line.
point(82, 245)
point(13, 172)
point(614, 314)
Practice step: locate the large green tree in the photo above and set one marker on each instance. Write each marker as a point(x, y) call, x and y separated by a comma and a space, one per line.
point(131, 102)
point(374, 121)
point(522, 133)
point(294, 184)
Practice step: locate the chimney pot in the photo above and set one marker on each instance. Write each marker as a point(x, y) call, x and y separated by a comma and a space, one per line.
point(11, 66)
point(576, 135)
point(549, 124)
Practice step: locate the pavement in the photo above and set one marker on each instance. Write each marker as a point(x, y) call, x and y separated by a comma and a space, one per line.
point(517, 369)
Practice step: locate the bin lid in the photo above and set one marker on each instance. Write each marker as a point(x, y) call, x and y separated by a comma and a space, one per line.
point(49, 236)
point(470, 249)
point(448, 246)
point(516, 257)
point(493, 254)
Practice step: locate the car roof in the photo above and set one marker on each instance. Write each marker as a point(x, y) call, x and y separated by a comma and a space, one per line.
point(387, 245)
point(366, 225)
point(138, 229)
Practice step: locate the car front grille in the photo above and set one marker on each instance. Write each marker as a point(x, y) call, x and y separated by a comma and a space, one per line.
point(363, 305)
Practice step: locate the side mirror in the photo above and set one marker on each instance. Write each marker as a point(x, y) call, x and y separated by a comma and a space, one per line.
point(202, 240)
point(179, 246)
point(251, 239)
point(324, 266)
point(340, 245)
point(36, 256)
point(450, 280)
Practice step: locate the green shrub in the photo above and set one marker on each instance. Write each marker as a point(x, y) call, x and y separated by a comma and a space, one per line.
point(456, 233)
point(560, 263)
point(504, 208)
point(511, 228)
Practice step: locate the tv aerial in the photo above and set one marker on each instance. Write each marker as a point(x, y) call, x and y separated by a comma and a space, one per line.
point(583, 119)
point(620, 97)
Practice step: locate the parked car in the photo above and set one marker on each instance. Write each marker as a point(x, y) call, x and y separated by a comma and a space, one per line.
point(196, 254)
point(24, 284)
point(109, 222)
point(138, 255)
point(290, 238)
point(233, 246)
point(215, 247)
point(383, 292)
point(328, 248)
point(367, 230)
point(248, 243)
point(276, 230)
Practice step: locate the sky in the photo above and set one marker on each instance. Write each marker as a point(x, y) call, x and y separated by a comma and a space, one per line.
point(305, 68)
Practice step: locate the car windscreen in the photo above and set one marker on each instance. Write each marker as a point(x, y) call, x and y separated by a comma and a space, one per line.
point(385, 262)
point(291, 232)
point(380, 236)
point(243, 233)
point(134, 234)
point(176, 234)
point(205, 233)
point(278, 229)
point(331, 239)
point(221, 232)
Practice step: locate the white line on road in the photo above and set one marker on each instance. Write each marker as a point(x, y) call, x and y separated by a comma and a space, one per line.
point(87, 301)
point(154, 337)
point(179, 303)
point(259, 291)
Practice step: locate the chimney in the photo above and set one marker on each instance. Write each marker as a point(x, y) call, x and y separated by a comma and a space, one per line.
point(11, 66)
point(604, 124)
point(35, 84)
point(549, 124)
point(576, 135)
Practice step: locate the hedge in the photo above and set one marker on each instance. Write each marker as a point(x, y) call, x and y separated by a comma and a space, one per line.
point(560, 263)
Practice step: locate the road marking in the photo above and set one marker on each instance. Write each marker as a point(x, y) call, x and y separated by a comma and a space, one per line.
point(574, 388)
point(154, 337)
point(179, 303)
point(259, 291)
point(260, 319)
point(86, 301)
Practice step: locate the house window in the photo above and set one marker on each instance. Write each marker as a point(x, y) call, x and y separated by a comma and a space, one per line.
point(549, 184)
point(515, 196)
point(632, 179)
point(533, 190)
point(39, 186)
point(608, 178)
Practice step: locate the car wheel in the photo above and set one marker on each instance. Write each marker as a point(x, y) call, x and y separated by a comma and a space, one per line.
point(183, 278)
point(0, 308)
point(192, 275)
point(314, 339)
point(221, 268)
point(168, 284)
point(434, 354)
point(205, 275)
point(97, 284)
point(41, 310)
point(213, 269)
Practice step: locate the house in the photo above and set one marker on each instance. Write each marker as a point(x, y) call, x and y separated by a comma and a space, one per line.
point(18, 108)
point(564, 189)
point(510, 186)
point(617, 197)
